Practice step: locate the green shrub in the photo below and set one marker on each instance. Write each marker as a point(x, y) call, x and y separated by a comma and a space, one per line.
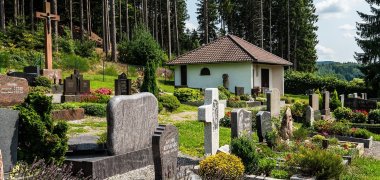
point(85, 48)
point(40, 89)
point(298, 111)
point(71, 61)
point(160, 107)
point(221, 166)
point(66, 45)
point(279, 174)
point(374, 115)
point(187, 94)
point(102, 138)
point(333, 141)
point(316, 162)
point(265, 166)
point(169, 102)
point(43, 81)
point(122, 48)
point(271, 138)
point(109, 71)
point(245, 97)
point(226, 120)
point(236, 104)
point(343, 113)
point(335, 101)
point(245, 149)
point(39, 136)
point(103, 99)
point(361, 133)
point(94, 109)
point(358, 117)
point(64, 106)
point(224, 93)
point(301, 134)
point(340, 128)
point(318, 138)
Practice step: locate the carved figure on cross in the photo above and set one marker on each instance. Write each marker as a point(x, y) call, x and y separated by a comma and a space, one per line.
point(211, 113)
point(48, 42)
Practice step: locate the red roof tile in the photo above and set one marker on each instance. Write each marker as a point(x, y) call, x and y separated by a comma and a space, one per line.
point(226, 49)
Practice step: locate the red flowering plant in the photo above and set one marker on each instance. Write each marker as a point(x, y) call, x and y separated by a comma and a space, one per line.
point(226, 120)
point(104, 91)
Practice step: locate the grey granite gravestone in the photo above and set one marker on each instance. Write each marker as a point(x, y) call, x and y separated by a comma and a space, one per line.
point(309, 116)
point(9, 137)
point(363, 95)
point(342, 100)
point(165, 152)
point(314, 101)
point(131, 122)
point(1, 167)
point(355, 95)
point(273, 102)
point(239, 91)
point(122, 85)
point(264, 124)
point(241, 123)
point(326, 104)
point(211, 113)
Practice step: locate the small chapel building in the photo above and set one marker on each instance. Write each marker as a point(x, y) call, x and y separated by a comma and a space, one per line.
point(232, 62)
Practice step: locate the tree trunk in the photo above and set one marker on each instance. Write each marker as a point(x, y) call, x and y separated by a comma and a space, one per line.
point(176, 27)
point(2, 18)
point(206, 21)
point(15, 9)
point(23, 11)
point(156, 19)
point(113, 30)
point(32, 15)
point(135, 9)
point(288, 30)
point(88, 17)
point(261, 24)
point(120, 22)
point(81, 19)
point(127, 18)
point(71, 19)
point(169, 31)
point(55, 23)
point(270, 26)
point(161, 26)
point(146, 13)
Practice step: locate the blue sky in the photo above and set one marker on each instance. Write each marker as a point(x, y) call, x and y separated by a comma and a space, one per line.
point(336, 33)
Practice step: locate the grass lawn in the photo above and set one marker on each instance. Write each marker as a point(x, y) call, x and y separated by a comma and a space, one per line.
point(166, 85)
point(363, 168)
point(302, 98)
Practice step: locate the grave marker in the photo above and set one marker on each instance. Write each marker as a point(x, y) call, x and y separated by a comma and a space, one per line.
point(12, 90)
point(239, 91)
point(326, 104)
point(314, 101)
point(8, 137)
point(241, 123)
point(123, 85)
point(309, 116)
point(74, 86)
point(1, 167)
point(273, 102)
point(264, 124)
point(165, 152)
point(355, 95)
point(342, 99)
point(210, 113)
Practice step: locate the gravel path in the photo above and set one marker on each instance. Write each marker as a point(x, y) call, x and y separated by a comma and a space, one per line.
point(374, 151)
point(147, 173)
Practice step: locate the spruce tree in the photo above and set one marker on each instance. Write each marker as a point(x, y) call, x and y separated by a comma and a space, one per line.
point(212, 19)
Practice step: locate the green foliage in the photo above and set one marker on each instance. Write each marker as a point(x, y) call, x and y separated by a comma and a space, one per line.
point(212, 16)
point(18, 36)
point(342, 113)
point(85, 48)
point(150, 81)
point(66, 45)
point(40, 89)
point(64, 106)
point(43, 81)
point(102, 138)
point(160, 107)
point(122, 48)
point(316, 162)
point(318, 138)
point(169, 102)
point(345, 71)
point(221, 166)
point(335, 101)
point(271, 138)
point(226, 120)
point(187, 94)
point(301, 134)
point(236, 104)
point(72, 61)
point(39, 137)
point(359, 117)
point(109, 71)
point(300, 83)
point(224, 93)
point(265, 166)
point(298, 111)
point(361, 133)
point(374, 115)
point(279, 174)
point(94, 109)
point(245, 149)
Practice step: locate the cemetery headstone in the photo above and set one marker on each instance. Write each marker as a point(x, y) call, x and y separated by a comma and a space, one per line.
point(123, 85)
point(241, 123)
point(314, 101)
point(360, 104)
point(9, 137)
point(286, 131)
point(342, 99)
point(239, 91)
point(355, 95)
point(12, 90)
point(273, 102)
point(310, 116)
point(211, 113)
point(1, 167)
point(74, 86)
point(326, 104)
point(264, 124)
point(31, 73)
point(165, 152)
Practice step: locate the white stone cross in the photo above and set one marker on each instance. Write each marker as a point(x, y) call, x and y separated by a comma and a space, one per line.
point(210, 113)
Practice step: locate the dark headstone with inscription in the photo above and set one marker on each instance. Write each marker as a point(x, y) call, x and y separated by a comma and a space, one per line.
point(264, 124)
point(13, 90)
point(239, 91)
point(74, 86)
point(122, 85)
point(241, 123)
point(165, 152)
point(9, 137)
point(360, 104)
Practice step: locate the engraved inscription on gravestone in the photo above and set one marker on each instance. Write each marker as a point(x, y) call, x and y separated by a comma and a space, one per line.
point(12, 90)
point(122, 85)
point(165, 152)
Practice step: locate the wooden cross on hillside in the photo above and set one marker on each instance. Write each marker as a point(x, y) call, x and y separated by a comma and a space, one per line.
point(48, 44)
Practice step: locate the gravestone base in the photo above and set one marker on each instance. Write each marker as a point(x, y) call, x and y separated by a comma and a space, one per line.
point(57, 89)
point(317, 115)
point(52, 74)
point(102, 166)
point(71, 98)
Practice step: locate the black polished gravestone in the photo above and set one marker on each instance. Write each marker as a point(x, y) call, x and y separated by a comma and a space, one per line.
point(239, 91)
point(74, 86)
point(9, 137)
point(360, 104)
point(264, 124)
point(30, 74)
point(165, 152)
point(122, 85)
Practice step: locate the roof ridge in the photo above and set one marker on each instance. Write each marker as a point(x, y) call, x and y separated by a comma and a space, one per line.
point(231, 36)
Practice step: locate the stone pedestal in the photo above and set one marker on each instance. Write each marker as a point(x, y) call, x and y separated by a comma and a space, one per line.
point(55, 75)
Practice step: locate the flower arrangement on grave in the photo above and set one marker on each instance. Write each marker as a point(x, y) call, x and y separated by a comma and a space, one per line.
point(226, 120)
point(103, 91)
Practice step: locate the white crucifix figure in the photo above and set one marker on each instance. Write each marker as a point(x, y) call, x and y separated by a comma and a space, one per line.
point(210, 113)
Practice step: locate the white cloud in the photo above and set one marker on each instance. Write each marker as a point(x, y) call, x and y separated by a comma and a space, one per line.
point(347, 27)
point(191, 26)
point(348, 35)
point(325, 52)
point(334, 8)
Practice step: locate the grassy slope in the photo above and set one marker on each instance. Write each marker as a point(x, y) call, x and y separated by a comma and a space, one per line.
point(363, 168)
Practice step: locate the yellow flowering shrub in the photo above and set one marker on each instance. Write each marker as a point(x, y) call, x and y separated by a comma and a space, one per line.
point(221, 166)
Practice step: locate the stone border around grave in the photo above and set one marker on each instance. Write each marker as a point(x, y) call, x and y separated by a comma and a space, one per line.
point(68, 114)
point(367, 142)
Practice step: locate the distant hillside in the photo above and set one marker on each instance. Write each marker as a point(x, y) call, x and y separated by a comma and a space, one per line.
point(345, 71)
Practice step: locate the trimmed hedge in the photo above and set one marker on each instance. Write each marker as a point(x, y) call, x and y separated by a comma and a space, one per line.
point(187, 94)
point(169, 102)
point(95, 109)
point(374, 128)
point(301, 83)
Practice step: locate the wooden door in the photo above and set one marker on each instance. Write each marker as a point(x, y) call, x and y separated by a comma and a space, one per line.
point(265, 78)
point(183, 75)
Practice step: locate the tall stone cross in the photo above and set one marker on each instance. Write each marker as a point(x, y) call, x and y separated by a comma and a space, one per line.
point(48, 43)
point(210, 113)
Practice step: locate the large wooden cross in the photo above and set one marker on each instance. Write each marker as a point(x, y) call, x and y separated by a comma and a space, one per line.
point(48, 43)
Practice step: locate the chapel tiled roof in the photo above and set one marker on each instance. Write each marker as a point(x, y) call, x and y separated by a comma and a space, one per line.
point(227, 49)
